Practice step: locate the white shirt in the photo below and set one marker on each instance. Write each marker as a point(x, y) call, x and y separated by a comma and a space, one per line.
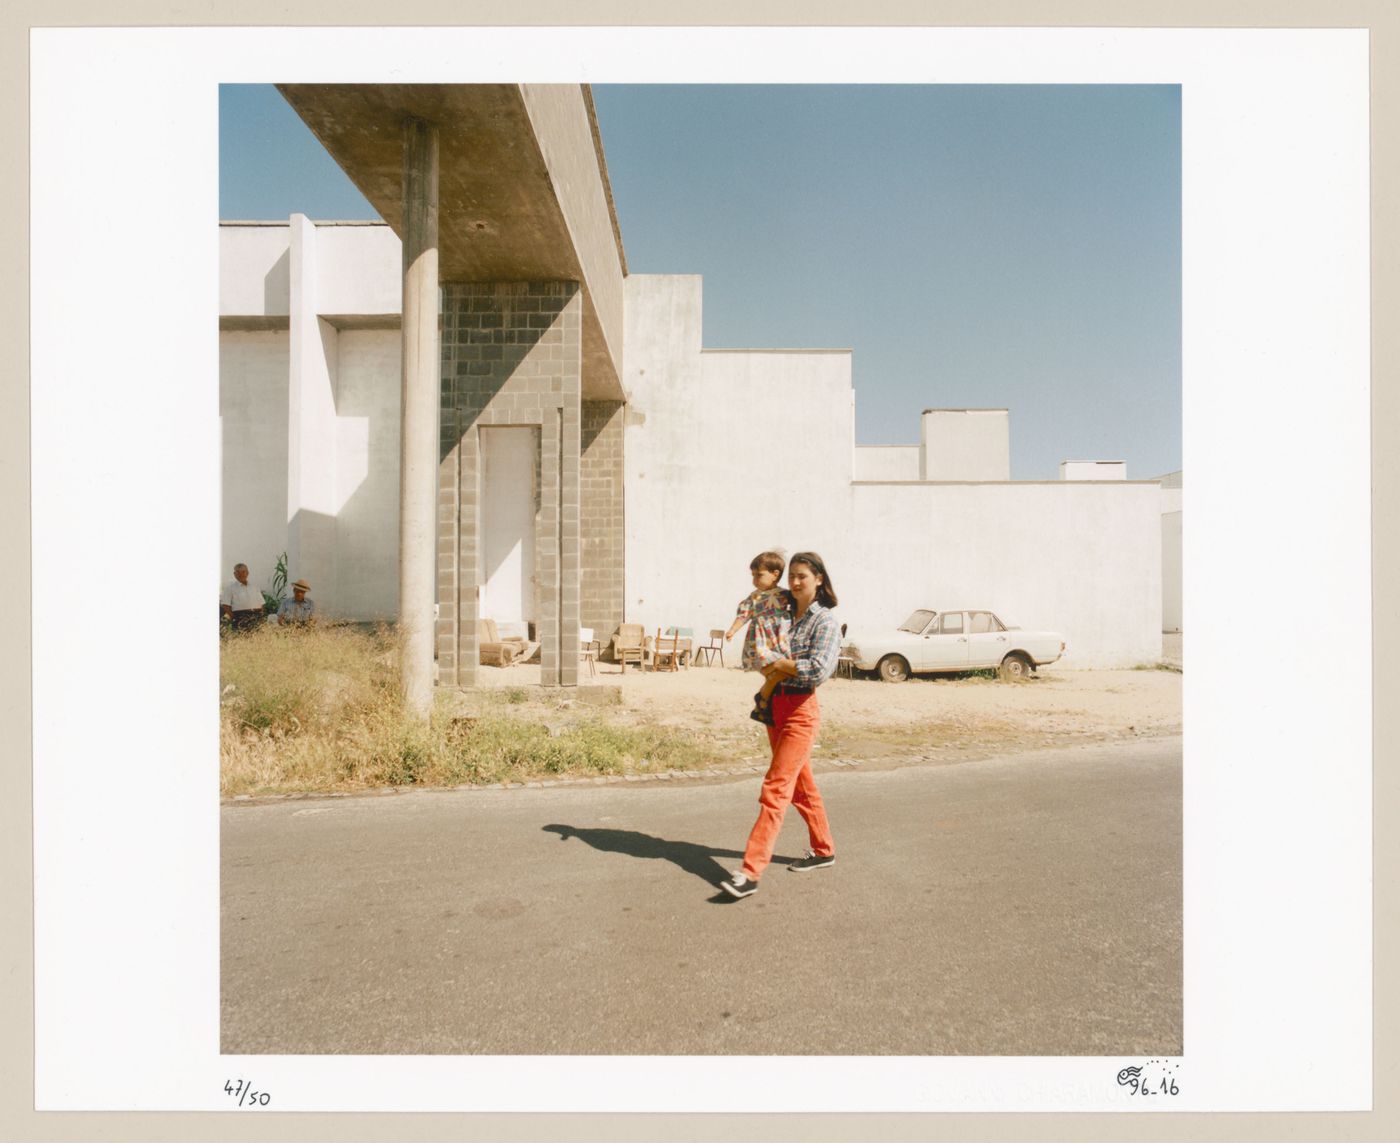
point(242, 596)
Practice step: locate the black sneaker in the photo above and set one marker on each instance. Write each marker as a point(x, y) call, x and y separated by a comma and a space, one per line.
point(739, 885)
point(812, 861)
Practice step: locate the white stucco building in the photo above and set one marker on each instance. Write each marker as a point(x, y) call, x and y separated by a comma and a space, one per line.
point(595, 461)
point(1081, 558)
point(309, 400)
point(309, 360)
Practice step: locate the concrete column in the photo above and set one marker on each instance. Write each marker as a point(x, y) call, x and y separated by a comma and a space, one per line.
point(418, 452)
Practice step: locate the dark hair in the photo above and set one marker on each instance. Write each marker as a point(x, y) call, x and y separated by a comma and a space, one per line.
point(826, 594)
point(767, 561)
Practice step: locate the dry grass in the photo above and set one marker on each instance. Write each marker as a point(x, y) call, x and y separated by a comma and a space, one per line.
point(920, 735)
point(318, 711)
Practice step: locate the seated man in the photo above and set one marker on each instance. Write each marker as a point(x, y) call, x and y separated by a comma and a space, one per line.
point(241, 602)
point(299, 609)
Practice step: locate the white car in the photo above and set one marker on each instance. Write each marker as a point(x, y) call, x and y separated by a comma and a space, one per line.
point(933, 641)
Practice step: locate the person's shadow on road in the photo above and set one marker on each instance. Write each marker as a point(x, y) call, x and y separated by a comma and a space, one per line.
point(698, 860)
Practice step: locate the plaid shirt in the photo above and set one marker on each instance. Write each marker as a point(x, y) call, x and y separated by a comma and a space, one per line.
point(815, 640)
point(769, 614)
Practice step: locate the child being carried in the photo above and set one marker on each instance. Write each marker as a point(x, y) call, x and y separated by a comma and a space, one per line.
point(768, 612)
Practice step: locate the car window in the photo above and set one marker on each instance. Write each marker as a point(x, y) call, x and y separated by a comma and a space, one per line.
point(952, 623)
point(916, 623)
point(982, 622)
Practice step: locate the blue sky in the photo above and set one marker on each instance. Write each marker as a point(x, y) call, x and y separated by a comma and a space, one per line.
point(976, 246)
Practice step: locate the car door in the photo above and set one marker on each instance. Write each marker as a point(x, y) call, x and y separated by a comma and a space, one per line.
point(907, 640)
point(945, 643)
point(986, 640)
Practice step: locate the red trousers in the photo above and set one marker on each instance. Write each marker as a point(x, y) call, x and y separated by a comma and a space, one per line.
point(796, 718)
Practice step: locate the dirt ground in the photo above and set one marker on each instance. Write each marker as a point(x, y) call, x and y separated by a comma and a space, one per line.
point(872, 723)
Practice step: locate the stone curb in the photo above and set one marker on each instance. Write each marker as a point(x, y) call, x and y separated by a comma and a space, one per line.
point(962, 750)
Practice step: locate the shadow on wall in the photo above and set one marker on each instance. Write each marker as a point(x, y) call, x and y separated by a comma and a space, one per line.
point(488, 342)
point(311, 555)
point(277, 286)
point(367, 457)
point(495, 352)
point(253, 439)
point(601, 518)
point(364, 582)
point(593, 426)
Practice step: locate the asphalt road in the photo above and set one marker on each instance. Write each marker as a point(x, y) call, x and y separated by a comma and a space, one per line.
point(1020, 906)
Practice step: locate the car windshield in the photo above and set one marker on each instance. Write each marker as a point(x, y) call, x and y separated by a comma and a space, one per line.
point(916, 623)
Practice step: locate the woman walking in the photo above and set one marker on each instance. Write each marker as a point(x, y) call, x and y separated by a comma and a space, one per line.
point(815, 642)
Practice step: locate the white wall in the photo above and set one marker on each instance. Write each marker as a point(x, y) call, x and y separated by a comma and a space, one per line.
point(359, 270)
point(965, 444)
point(1084, 560)
point(705, 489)
point(311, 426)
point(311, 415)
point(253, 429)
point(508, 457)
point(886, 462)
point(1093, 470)
point(1171, 551)
point(367, 474)
point(1171, 571)
point(253, 270)
point(705, 493)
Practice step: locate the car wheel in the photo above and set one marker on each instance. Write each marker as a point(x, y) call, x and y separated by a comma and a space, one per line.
point(894, 669)
point(1016, 667)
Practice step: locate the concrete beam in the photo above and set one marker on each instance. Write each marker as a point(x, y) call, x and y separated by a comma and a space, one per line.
point(524, 194)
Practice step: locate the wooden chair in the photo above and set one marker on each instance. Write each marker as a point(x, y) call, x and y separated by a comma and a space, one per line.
point(589, 649)
point(715, 646)
point(665, 653)
point(629, 645)
point(686, 647)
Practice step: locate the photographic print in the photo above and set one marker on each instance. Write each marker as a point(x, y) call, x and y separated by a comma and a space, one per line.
point(920, 343)
point(697, 522)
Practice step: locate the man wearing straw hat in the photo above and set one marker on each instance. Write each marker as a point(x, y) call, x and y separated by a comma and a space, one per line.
point(299, 609)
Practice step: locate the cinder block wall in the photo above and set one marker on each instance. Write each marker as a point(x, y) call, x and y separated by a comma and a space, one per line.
point(511, 355)
point(601, 518)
